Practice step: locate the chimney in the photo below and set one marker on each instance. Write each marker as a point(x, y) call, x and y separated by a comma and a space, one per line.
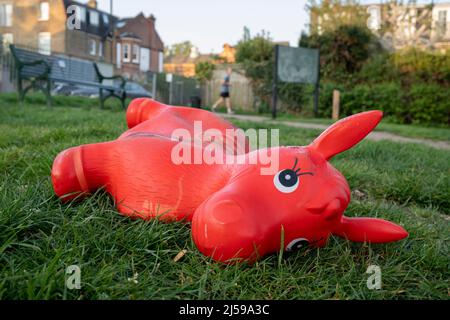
point(92, 4)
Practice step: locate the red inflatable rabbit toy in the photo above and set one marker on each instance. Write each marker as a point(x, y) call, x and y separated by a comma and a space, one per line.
point(237, 212)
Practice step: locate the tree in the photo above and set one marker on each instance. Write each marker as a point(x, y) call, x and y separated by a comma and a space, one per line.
point(204, 71)
point(255, 54)
point(180, 49)
point(343, 51)
point(329, 15)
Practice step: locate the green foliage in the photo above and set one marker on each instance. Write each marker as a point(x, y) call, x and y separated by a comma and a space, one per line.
point(343, 51)
point(416, 65)
point(204, 71)
point(179, 49)
point(256, 57)
point(428, 103)
point(423, 103)
point(335, 13)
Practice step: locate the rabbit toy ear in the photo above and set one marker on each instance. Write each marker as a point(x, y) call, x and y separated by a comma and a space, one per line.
point(345, 133)
point(369, 230)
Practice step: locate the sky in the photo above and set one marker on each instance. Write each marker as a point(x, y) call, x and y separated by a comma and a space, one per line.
point(208, 24)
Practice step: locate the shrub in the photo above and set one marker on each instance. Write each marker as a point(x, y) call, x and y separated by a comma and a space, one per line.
point(423, 103)
point(428, 103)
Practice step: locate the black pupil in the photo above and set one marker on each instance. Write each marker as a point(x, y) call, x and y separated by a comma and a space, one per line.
point(288, 178)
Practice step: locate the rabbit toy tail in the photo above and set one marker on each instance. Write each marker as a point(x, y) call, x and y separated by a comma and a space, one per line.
point(78, 171)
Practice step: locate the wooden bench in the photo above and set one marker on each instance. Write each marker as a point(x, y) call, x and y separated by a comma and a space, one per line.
point(37, 71)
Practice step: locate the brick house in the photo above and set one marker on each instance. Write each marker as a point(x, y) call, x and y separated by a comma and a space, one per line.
point(43, 25)
point(139, 47)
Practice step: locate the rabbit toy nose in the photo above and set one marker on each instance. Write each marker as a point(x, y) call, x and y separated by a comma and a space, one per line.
point(226, 212)
point(223, 229)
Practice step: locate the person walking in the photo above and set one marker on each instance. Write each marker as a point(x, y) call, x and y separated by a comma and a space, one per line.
point(225, 93)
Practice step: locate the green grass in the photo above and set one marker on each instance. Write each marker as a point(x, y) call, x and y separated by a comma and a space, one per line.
point(40, 237)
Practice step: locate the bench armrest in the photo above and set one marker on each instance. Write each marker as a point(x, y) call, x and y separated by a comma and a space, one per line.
point(122, 80)
point(102, 77)
point(35, 63)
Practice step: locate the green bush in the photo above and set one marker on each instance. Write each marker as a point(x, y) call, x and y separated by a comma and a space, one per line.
point(423, 103)
point(429, 103)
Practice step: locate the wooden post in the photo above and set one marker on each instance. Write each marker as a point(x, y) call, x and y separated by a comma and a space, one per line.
point(336, 100)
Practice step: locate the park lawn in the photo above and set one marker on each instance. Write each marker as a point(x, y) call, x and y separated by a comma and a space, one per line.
point(124, 259)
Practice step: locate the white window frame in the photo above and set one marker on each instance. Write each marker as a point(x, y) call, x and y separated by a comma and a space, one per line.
point(119, 55)
point(94, 18)
point(100, 49)
point(160, 61)
point(442, 30)
point(82, 12)
point(7, 9)
point(135, 53)
point(44, 11)
point(126, 50)
point(105, 18)
point(92, 46)
point(374, 20)
point(47, 36)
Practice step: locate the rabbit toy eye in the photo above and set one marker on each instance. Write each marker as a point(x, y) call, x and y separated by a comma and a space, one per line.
point(297, 244)
point(287, 180)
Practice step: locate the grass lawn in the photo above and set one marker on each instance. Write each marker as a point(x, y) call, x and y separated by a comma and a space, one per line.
point(40, 237)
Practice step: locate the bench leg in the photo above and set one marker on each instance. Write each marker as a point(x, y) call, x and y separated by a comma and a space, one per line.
point(48, 93)
point(102, 100)
point(123, 100)
point(20, 91)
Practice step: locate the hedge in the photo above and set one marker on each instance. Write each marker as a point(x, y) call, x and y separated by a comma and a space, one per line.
point(422, 103)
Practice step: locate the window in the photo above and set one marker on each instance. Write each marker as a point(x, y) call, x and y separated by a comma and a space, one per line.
point(44, 11)
point(442, 23)
point(161, 62)
point(135, 54)
point(6, 15)
point(93, 18)
point(82, 12)
point(92, 47)
point(100, 49)
point(45, 43)
point(373, 23)
point(126, 53)
point(105, 19)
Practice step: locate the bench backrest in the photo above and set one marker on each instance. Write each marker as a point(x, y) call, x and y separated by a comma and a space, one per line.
point(61, 67)
point(26, 56)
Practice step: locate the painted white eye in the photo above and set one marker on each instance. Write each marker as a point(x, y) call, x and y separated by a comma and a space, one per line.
point(297, 244)
point(286, 181)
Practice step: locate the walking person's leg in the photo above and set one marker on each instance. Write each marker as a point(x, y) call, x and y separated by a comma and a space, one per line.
point(228, 104)
point(213, 108)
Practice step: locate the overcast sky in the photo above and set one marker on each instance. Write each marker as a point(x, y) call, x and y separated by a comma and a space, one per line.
point(209, 24)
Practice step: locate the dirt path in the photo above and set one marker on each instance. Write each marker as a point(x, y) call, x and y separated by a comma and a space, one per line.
point(375, 135)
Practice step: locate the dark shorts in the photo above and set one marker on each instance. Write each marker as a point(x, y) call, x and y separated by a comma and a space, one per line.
point(225, 94)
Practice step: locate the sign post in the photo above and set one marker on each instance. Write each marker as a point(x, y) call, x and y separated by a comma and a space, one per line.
point(275, 83)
